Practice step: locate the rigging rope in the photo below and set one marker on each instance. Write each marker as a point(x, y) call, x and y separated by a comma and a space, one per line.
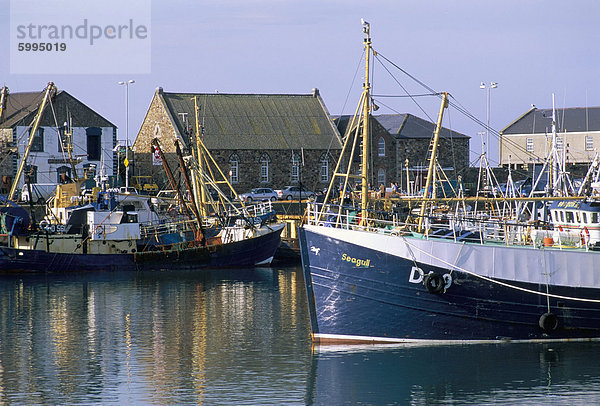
point(454, 103)
point(458, 268)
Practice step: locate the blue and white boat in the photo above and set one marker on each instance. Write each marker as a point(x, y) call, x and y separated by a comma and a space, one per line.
point(372, 279)
point(111, 238)
point(368, 284)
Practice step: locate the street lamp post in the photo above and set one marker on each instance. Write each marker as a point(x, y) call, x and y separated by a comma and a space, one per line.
point(127, 83)
point(489, 87)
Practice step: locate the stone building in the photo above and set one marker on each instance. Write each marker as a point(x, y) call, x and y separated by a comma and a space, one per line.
point(269, 140)
point(399, 137)
point(527, 140)
point(94, 138)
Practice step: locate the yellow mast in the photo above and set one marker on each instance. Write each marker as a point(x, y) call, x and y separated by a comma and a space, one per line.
point(199, 180)
point(366, 135)
point(38, 118)
point(433, 158)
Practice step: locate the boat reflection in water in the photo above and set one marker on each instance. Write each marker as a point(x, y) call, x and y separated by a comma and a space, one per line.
point(199, 337)
point(242, 336)
point(557, 373)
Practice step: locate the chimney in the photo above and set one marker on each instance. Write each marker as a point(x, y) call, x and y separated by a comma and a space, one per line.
point(315, 92)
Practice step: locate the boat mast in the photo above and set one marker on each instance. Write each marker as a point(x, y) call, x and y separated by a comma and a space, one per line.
point(366, 136)
point(3, 97)
point(49, 89)
point(68, 145)
point(357, 132)
point(555, 171)
point(433, 158)
point(199, 179)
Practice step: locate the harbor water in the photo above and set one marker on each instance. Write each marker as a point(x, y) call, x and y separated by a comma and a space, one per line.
point(242, 337)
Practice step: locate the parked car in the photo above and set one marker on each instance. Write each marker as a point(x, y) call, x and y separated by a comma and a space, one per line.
point(259, 194)
point(294, 193)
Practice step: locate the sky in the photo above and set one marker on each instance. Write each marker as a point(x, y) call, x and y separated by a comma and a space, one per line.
point(531, 48)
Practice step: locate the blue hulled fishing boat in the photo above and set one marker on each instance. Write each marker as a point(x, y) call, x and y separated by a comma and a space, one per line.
point(373, 279)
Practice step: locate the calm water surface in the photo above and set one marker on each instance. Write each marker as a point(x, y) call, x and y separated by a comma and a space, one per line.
point(242, 337)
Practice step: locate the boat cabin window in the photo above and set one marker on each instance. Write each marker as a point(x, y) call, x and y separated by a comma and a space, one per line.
point(554, 216)
point(584, 217)
point(569, 217)
point(129, 218)
point(577, 219)
point(562, 216)
point(594, 217)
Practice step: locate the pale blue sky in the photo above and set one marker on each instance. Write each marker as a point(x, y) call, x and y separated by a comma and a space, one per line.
point(532, 48)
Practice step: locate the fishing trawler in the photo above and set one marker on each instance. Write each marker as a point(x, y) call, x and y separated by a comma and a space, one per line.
point(375, 279)
point(115, 231)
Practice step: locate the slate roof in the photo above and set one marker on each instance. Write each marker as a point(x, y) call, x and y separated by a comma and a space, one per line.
point(403, 126)
point(256, 121)
point(409, 126)
point(539, 121)
point(21, 109)
point(19, 106)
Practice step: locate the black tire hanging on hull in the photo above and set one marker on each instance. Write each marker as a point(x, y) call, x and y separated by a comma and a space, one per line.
point(434, 282)
point(548, 322)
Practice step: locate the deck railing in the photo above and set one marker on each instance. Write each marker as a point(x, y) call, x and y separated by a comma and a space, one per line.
point(459, 227)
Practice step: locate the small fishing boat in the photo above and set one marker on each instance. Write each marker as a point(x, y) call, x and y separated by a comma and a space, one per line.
point(371, 278)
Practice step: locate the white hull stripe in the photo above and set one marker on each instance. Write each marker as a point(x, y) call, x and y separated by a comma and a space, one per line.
point(362, 340)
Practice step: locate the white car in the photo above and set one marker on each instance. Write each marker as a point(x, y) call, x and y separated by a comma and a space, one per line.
point(294, 193)
point(258, 194)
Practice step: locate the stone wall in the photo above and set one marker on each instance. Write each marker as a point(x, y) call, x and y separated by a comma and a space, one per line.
point(451, 153)
point(158, 124)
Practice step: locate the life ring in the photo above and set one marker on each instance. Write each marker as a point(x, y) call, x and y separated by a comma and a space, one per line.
point(43, 224)
point(560, 228)
point(585, 236)
point(548, 322)
point(434, 282)
point(447, 280)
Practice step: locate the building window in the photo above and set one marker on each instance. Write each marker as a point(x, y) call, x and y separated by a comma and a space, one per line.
point(295, 170)
point(529, 146)
point(61, 139)
point(381, 147)
point(264, 168)
point(381, 176)
point(589, 143)
point(31, 174)
point(94, 136)
point(38, 140)
point(559, 143)
point(324, 169)
point(63, 174)
point(234, 165)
